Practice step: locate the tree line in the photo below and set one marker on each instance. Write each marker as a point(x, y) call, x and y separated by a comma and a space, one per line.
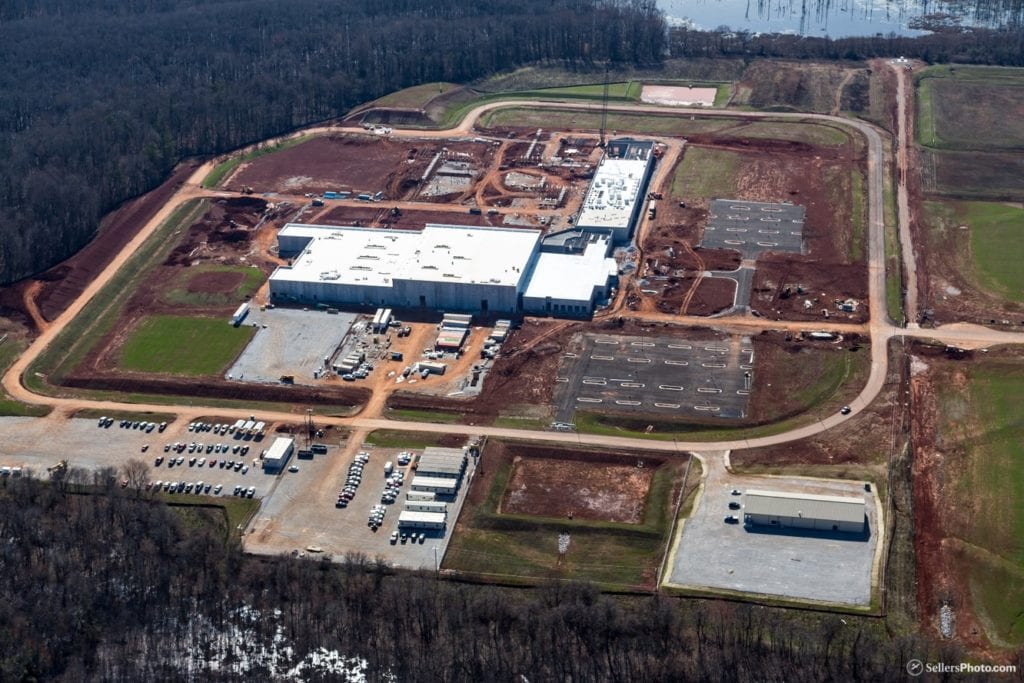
point(111, 584)
point(99, 99)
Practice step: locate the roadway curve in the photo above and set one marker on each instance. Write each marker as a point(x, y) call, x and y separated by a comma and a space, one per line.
point(880, 328)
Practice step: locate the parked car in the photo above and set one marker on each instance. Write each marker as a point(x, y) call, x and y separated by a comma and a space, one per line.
point(732, 519)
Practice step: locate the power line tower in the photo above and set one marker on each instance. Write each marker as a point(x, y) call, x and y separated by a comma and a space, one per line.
point(604, 108)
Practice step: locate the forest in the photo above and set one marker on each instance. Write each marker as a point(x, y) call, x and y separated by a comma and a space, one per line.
point(99, 99)
point(106, 583)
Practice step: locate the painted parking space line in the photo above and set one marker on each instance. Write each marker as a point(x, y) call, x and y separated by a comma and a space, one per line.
point(708, 390)
point(676, 362)
point(602, 358)
point(712, 409)
point(632, 385)
point(666, 405)
point(712, 365)
point(684, 347)
point(584, 399)
point(671, 387)
point(642, 344)
point(628, 403)
point(595, 382)
point(638, 360)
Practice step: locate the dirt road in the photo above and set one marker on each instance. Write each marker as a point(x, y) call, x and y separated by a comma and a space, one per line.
point(903, 142)
point(880, 327)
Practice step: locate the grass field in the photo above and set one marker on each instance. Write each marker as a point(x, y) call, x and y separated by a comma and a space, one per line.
point(416, 97)
point(706, 173)
point(178, 291)
point(422, 415)
point(974, 108)
point(228, 515)
point(990, 491)
point(809, 132)
point(392, 438)
point(180, 345)
point(523, 548)
point(996, 251)
point(584, 119)
point(101, 313)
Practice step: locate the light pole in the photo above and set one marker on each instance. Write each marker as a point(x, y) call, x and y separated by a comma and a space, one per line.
point(437, 567)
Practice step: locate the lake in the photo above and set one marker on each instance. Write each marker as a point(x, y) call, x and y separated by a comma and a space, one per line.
point(833, 18)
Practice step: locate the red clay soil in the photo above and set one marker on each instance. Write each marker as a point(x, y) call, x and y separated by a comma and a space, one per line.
point(823, 284)
point(600, 491)
point(497, 453)
point(222, 389)
point(353, 163)
point(63, 283)
point(773, 171)
point(522, 375)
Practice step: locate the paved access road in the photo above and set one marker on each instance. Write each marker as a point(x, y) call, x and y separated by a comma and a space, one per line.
point(880, 328)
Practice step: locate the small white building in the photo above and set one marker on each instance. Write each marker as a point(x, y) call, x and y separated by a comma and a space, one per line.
point(445, 486)
point(278, 454)
point(410, 519)
point(571, 284)
point(782, 509)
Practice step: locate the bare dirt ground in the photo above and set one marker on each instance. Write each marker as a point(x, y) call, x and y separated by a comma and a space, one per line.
point(772, 170)
point(353, 163)
point(565, 463)
point(522, 375)
point(678, 95)
point(577, 489)
point(780, 277)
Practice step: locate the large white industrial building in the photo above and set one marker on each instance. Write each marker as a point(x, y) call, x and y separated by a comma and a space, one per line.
point(805, 511)
point(445, 267)
point(616, 195)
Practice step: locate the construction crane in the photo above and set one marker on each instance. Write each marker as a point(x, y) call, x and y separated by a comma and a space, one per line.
point(604, 108)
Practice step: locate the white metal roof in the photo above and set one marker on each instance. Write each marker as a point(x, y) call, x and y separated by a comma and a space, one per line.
point(418, 516)
point(434, 482)
point(571, 276)
point(811, 506)
point(438, 253)
point(613, 193)
point(279, 449)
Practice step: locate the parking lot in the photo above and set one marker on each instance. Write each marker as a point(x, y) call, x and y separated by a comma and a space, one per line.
point(300, 514)
point(821, 566)
point(752, 228)
point(38, 444)
point(661, 375)
point(294, 342)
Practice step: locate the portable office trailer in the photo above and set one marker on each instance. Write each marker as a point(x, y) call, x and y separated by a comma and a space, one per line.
point(249, 424)
point(277, 455)
point(409, 519)
point(442, 485)
point(240, 314)
point(427, 506)
point(420, 495)
point(456, 320)
point(259, 427)
point(431, 367)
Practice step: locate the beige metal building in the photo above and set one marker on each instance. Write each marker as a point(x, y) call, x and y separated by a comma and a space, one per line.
point(804, 511)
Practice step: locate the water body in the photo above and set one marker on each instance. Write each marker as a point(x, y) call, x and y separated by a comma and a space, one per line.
point(836, 18)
